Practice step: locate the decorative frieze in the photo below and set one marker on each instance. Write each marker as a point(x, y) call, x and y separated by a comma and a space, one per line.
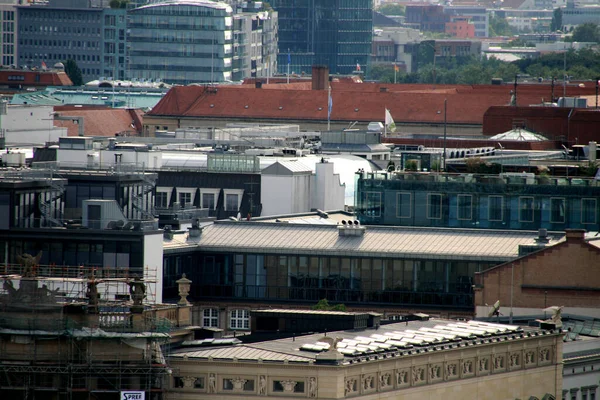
point(402, 377)
point(483, 366)
point(514, 361)
point(499, 363)
point(530, 360)
point(435, 373)
point(368, 383)
point(385, 380)
point(350, 386)
point(418, 375)
point(467, 368)
point(451, 371)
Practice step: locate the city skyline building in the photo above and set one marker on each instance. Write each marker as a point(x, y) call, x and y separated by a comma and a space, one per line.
point(319, 33)
point(88, 33)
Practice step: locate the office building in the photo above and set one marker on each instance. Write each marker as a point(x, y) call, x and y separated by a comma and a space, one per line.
point(9, 30)
point(509, 201)
point(197, 41)
point(86, 32)
point(305, 258)
point(318, 32)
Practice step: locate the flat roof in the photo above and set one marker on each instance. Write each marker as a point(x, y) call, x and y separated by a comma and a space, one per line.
point(370, 344)
point(376, 242)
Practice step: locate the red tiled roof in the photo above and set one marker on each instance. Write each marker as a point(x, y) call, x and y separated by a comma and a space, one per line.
point(412, 103)
point(105, 122)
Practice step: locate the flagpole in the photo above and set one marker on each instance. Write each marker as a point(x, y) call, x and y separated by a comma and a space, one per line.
point(288, 74)
point(395, 70)
point(329, 109)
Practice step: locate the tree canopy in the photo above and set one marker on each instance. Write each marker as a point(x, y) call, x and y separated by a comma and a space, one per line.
point(323, 305)
point(391, 9)
point(500, 27)
point(73, 72)
point(582, 64)
point(589, 32)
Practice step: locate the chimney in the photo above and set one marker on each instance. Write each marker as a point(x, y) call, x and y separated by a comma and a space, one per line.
point(351, 228)
point(320, 77)
point(542, 236)
point(195, 231)
point(167, 232)
point(575, 235)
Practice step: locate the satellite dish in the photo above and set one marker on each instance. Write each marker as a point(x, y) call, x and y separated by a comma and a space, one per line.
point(495, 310)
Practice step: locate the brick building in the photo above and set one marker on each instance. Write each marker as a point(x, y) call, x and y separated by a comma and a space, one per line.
point(566, 274)
point(572, 125)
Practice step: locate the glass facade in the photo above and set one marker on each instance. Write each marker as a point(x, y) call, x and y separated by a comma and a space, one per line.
point(477, 201)
point(181, 43)
point(337, 34)
point(349, 280)
point(102, 252)
point(93, 37)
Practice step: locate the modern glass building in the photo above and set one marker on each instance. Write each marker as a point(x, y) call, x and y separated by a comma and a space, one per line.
point(510, 201)
point(181, 42)
point(301, 263)
point(337, 34)
point(92, 36)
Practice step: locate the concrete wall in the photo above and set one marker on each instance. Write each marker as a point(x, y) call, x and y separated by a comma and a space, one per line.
point(286, 194)
point(153, 271)
point(328, 193)
point(30, 125)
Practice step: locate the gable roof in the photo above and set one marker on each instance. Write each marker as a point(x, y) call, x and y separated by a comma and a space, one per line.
point(106, 122)
point(287, 167)
point(364, 102)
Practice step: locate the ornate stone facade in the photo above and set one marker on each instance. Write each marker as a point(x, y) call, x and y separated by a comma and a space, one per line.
point(531, 362)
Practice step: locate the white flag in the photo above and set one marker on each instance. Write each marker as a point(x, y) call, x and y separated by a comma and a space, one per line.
point(389, 121)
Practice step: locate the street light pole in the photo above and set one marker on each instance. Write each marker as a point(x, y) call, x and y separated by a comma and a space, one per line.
point(501, 153)
point(445, 123)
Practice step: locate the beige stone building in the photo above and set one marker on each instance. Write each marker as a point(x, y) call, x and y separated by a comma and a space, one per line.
point(431, 359)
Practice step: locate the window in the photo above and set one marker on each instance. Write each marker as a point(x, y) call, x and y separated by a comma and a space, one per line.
point(289, 386)
point(434, 206)
point(525, 209)
point(404, 205)
point(495, 208)
point(588, 211)
point(231, 202)
point(177, 382)
point(208, 200)
point(185, 198)
point(465, 206)
point(160, 200)
point(199, 383)
point(372, 204)
point(557, 210)
point(240, 319)
point(210, 318)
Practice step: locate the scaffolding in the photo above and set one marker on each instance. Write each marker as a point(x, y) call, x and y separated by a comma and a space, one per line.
point(70, 333)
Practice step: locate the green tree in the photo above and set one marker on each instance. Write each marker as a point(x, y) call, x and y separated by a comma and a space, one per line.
point(73, 72)
point(589, 32)
point(391, 9)
point(323, 305)
point(499, 27)
point(383, 73)
point(556, 24)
